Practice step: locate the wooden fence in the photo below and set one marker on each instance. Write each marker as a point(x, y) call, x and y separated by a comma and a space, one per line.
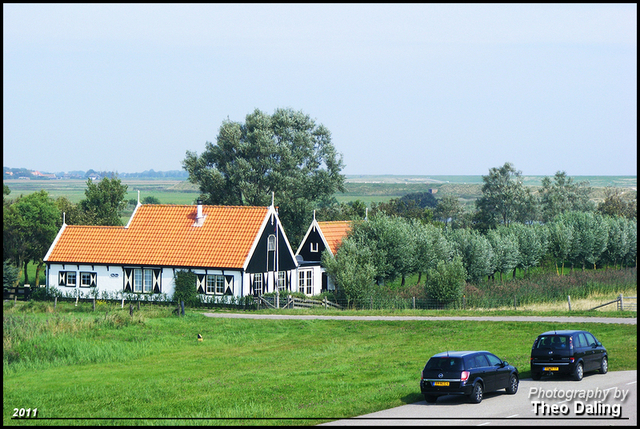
point(628, 303)
point(289, 301)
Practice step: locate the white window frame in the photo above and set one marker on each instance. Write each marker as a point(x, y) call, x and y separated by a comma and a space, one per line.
point(137, 280)
point(271, 243)
point(215, 284)
point(71, 275)
point(147, 281)
point(305, 281)
point(314, 247)
point(86, 275)
point(257, 284)
point(281, 280)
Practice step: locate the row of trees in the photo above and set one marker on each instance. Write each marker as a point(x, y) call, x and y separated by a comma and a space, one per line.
point(386, 248)
point(31, 222)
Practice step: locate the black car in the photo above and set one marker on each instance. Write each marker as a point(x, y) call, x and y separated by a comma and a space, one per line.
point(468, 373)
point(567, 353)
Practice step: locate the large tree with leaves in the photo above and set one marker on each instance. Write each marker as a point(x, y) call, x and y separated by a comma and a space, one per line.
point(504, 198)
point(104, 202)
point(286, 153)
point(29, 227)
point(562, 195)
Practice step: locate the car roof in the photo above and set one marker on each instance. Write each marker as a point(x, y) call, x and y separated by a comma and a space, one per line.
point(562, 332)
point(458, 353)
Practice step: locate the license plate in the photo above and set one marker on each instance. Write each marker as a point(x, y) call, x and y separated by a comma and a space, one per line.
point(550, 368)
point(440, 383)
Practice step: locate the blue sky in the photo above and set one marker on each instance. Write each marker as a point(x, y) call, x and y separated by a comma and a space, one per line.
point(405, 89)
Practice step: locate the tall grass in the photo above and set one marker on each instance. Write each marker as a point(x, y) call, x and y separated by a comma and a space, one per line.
point(548, 288)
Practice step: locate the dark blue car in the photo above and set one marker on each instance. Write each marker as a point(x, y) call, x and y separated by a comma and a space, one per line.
point(567, 353)
point(470, 373)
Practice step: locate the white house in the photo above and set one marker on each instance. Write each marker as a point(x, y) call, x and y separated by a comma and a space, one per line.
point(234, 250)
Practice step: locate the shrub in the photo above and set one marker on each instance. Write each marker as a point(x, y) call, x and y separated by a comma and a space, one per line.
point(185, 288)
point(446, 281)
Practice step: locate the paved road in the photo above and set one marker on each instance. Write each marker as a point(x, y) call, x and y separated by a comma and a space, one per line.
point(498, 408)
point(559, 319)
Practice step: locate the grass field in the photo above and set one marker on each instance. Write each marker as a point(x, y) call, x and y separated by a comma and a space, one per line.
point(76, 364)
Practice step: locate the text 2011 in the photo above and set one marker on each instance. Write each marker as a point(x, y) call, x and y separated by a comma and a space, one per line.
point(24, 413)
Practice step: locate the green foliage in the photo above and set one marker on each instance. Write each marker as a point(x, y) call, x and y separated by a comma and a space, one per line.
point(352, 270)
point(286, 153)
point(30, 225)
point(446, 281)
point(104, 202)
point(563, 195)
point(9, 275)
point(185, 288)
point(503, 197)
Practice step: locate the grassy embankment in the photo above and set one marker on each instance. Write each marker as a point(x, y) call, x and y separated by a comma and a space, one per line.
point(71, 362)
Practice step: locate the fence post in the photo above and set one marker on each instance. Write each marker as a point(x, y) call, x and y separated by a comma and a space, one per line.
point(414, 302)
point(464, 301)
point(325, 302)
point(55, 302)
point(514, 302)
point(621, 306)
point(130, 309)
point(182, 308)
point(371, 303)
point(569, 301)
point(94, 304)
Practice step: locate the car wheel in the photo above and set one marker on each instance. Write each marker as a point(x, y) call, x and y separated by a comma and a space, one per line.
point(430, 398)
point(512, 388)
point(476, 394)
point(578, 372)
point(604, 365)
point(536, 375)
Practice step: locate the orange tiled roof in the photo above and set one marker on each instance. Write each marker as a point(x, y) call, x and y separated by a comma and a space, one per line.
point(334, 232)
point(164, 235)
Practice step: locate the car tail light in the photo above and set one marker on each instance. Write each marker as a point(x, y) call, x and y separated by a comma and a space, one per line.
point(421, 376)
point(464, 376)
point(572, 359)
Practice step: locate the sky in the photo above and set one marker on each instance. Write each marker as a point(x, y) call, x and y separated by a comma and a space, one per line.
point(405, 89)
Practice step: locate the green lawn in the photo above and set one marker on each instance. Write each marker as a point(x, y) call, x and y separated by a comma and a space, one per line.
point(74, 363)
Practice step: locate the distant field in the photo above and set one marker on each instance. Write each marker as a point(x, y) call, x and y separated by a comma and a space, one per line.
point(366, 188)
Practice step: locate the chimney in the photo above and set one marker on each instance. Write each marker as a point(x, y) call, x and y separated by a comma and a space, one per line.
point(199, 216)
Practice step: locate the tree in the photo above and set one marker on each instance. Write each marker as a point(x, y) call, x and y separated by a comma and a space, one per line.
point(614, 205)
point(104, 202)
point(503, 196)
point(185, 287)
point(563, 195)
point(448, 208)
point(532, 245)
point(285, 153)
point(506, 253)
point(560, 242)
point(352, 270)
point(446, 280)
point(475, 250)
point(30, 225)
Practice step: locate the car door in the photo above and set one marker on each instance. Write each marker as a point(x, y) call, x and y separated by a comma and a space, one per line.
point(594, 352)
point(486, 372)
point(501, 378)
point(580, 349)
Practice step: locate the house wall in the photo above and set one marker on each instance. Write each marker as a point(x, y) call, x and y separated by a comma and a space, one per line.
point(110, 278)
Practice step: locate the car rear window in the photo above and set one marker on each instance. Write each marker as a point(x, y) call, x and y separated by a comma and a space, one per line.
point(552, 342)
point(445, 363)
